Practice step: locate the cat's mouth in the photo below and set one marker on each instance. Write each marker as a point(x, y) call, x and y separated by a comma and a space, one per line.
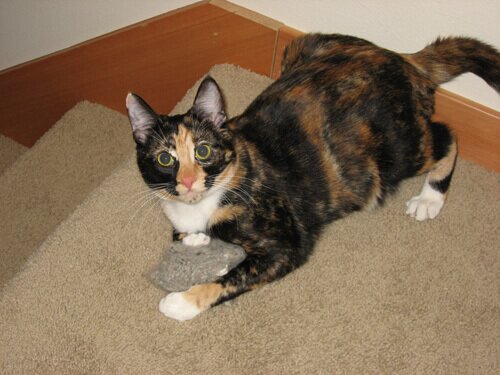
point(191, 196)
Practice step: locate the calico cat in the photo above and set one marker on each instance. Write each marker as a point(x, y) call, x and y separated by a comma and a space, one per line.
point(336, 133)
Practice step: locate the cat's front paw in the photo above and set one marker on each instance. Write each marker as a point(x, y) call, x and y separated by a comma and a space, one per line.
point(186, 305)
point(196, 239)
point(176, 306)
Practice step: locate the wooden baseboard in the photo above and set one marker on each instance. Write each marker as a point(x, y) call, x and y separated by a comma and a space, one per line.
point(477, 128)
point(162, 57)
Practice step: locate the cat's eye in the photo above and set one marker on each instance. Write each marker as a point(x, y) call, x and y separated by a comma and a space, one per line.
point(203, 152)
point(165, 159)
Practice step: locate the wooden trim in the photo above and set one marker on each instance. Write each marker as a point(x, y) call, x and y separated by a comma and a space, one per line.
point(477, 128)
point(255, 17)
point(285, 36)
point(248, 14)
point(162, 57)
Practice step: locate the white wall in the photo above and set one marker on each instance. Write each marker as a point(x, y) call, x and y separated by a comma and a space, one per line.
point(33, 28)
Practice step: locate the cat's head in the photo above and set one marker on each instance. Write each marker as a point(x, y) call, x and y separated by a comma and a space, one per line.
point(184, 157)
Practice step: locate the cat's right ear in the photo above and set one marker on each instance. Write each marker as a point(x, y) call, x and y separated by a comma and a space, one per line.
point(141, 116)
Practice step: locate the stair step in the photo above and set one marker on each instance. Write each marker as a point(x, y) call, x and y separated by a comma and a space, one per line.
point(379, 286)
point(47, 182)
point(9, 151)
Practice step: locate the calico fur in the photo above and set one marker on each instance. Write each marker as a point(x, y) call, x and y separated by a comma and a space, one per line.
point(345, 123)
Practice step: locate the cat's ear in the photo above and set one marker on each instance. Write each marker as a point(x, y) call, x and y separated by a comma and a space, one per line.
point(209, 103)
point(141, 116)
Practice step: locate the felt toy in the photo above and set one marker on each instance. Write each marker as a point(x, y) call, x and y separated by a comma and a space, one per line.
point(184, 266)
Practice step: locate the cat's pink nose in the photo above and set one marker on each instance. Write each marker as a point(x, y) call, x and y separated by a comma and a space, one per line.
point(188, 181)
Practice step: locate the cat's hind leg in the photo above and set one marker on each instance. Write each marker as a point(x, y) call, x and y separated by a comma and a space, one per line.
point(429, 202)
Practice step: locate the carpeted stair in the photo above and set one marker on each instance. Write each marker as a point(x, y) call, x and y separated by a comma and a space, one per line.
point(382, 294)
point(47, 182)
point(9, 152)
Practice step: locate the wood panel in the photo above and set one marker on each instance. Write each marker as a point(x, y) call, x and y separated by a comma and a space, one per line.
point(160, 59)
point(477, 127)
point(285, 36)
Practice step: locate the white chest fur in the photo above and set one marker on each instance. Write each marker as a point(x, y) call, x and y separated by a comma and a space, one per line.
point(192, 218)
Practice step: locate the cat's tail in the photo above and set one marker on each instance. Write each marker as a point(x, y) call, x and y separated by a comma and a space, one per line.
point(449, 57)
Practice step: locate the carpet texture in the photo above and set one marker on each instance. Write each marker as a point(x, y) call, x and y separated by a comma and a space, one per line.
point(382, 294)
point(47, 182)
point(9, 152)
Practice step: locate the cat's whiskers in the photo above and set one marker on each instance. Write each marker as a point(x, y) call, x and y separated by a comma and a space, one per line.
point(239, 189)
point(149, 211)
point(156, 137)
point(160, 192)
point(252, 184)
point(135, 199)
point(160, 138)
point(163, 137)
point(255, 185)
point(139, 195)
point(235, 189)
point(256, 182)
point(143, 207)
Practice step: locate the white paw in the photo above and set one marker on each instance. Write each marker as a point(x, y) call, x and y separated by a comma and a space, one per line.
point(425, 206)
point(175, 306)
point(196, 239)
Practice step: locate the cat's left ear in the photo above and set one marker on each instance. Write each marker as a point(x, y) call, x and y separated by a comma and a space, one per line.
point(209, 103)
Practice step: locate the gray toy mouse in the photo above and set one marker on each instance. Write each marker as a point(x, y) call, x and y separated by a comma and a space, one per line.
point(184, 266)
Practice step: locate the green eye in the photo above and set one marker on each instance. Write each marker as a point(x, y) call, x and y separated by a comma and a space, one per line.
point(165, 159)
point(203, 152)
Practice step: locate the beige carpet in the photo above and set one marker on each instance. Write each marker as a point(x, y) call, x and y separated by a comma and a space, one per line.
point(9, 152)
point(383, 294)
point(47, 182)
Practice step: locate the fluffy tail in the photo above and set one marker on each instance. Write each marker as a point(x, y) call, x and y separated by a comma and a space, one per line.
point(447, 58)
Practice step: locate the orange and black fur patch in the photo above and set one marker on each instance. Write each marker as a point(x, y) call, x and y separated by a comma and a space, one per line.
point(345, 123)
